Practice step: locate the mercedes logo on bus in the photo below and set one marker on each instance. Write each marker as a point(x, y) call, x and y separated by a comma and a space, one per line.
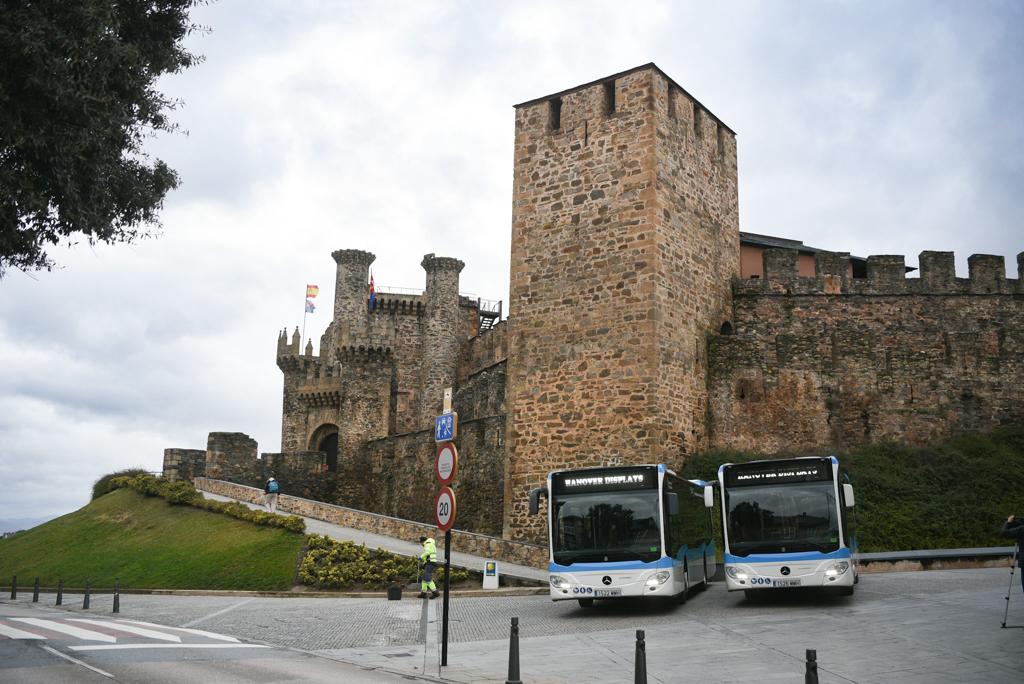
point(606, 580)
point(785, 570)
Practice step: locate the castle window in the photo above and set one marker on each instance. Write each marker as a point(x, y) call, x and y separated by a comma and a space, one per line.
point(671, 102)
point(555, 113)
point(726, 328)
point(698, 116)
point(609, 97)
point(721, 142)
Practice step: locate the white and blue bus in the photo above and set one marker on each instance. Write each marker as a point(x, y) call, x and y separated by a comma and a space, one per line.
point(626, 531)
point(788, 523)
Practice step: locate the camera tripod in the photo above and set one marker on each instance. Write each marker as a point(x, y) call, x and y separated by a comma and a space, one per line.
point(1009, 590)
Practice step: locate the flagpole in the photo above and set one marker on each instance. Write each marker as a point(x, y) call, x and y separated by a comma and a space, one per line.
point(305, 312)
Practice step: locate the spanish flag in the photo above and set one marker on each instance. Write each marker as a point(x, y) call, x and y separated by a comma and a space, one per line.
point(312, 290)
point(373, 294)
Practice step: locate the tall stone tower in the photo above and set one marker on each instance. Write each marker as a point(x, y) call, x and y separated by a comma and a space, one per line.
point(625, 238)
point(442, 333)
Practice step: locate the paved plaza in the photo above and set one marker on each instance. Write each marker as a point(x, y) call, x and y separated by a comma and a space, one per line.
point(936, 626)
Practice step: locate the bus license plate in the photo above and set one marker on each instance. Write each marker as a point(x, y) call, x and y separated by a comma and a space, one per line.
point(786, 583)
point(607, 592)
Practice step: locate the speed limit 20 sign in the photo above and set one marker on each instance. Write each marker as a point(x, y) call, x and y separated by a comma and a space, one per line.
point(444, 509)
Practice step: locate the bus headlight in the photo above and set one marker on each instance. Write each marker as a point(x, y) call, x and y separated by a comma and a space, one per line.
point(837, 569)
point(735, 573)
point(659, 578)
point(558, 582)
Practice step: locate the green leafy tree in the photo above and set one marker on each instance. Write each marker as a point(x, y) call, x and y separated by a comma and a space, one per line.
point(77, 100)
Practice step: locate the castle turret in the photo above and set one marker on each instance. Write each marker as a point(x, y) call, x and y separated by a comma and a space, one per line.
point(441, 325)
point(350, 295)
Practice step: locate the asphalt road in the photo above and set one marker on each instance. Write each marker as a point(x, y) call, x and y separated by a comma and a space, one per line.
point(40, 644)
point(935, 626)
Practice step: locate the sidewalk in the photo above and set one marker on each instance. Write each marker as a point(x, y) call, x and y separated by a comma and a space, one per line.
point(401, 547)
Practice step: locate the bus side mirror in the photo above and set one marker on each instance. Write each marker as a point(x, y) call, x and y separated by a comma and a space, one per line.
point(848, 495)
point(535, 495)
point(709, 496)
point(673, 503)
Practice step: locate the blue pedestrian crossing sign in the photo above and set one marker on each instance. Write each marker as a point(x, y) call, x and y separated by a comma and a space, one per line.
point(446, 427)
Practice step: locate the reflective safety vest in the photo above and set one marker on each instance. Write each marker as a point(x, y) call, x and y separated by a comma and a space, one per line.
point(429, 554)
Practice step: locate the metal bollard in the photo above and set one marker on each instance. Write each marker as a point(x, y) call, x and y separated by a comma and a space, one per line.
point(14, 587)
point(513, 654)
point(85, 601)
point(811, 674)
point(60, 592)
point(117, 597)
point(640, 668)
point(35, 591)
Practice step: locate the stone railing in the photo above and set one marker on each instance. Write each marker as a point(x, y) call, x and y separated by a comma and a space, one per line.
point(519, 553)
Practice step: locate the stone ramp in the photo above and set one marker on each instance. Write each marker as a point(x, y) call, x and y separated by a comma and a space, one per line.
point(403, 547)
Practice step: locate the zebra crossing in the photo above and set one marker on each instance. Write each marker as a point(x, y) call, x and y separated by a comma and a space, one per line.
point(90, 634)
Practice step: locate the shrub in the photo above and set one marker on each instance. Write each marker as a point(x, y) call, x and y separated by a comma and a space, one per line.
point(184, 494)
point(105, 484)
point(330, 564)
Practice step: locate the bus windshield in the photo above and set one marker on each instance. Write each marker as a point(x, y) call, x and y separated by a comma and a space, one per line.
point(782, 518)
point(598, 527)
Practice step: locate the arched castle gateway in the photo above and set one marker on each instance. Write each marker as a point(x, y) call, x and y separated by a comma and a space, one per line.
point(644, 326)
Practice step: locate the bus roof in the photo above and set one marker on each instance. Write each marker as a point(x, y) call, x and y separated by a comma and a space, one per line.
point(662, 468)
point(778, 460)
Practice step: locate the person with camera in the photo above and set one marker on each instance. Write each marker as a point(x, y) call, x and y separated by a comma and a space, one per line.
point(1013, 529)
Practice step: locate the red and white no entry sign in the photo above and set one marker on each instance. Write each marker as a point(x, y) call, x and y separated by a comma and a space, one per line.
point(446, 465)
point(444, 509)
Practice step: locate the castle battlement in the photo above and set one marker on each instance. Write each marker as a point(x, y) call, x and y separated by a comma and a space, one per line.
point(355, 353)
point(886, 275)
point(579, 109)
point(399, 304)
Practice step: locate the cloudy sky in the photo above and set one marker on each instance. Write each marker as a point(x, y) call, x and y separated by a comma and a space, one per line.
point(874, 128)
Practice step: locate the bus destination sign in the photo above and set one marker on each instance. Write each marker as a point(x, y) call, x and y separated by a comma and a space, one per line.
point(604, 480)
point(779, 472)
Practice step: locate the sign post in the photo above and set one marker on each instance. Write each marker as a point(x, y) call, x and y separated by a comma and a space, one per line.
point(446, 466)
point(444, 515)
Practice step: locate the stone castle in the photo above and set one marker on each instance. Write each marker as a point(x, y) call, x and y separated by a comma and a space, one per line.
point(631, 337)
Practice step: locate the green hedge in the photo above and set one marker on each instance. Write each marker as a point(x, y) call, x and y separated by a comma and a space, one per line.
point(182, 493)
point(331, 564)
point(105, 484)
point(955, 494)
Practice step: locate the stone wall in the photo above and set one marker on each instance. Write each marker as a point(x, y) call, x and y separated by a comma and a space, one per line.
point(184, 464)
point(484, 351)
point(833, 362)
point(624, 239)
point(530, 555)
point(232, 456)
point(401, 482)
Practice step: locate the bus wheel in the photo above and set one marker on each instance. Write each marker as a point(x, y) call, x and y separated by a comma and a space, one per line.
point(586, 603)
point(682, 598)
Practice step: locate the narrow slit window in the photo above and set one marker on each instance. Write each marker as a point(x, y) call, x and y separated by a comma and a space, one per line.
point(721, 142)
point(609, 97)
point(555, 112)
point(697, 116)
point(671, 103)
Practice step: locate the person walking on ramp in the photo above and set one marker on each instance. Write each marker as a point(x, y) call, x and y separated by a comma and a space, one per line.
point(428, 559)
point(271, 489)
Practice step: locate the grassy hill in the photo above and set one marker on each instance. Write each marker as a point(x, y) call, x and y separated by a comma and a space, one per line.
point(144, 542)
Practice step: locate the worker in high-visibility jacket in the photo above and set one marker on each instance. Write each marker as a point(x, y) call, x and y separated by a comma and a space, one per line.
point(428, 559)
